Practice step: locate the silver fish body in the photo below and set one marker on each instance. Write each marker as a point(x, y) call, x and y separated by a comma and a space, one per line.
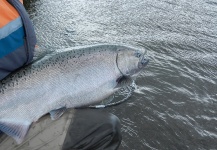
point(68, 79)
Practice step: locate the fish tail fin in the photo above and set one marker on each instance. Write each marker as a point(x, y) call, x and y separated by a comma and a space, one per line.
point(15, 129)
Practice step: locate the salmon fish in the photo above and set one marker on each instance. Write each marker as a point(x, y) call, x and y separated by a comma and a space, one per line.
point(72, 78)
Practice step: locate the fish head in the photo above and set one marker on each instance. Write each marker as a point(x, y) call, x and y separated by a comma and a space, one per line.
point(130, 61)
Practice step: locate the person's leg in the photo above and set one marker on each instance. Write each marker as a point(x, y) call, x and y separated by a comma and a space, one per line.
point(1, 132)
point(93, 130)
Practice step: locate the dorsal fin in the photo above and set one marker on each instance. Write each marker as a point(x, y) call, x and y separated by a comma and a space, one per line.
point(15, 128)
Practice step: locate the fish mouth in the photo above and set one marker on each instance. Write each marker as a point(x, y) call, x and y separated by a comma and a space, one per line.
point(143, 61)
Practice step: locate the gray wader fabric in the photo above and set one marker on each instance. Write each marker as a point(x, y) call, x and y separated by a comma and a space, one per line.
point(93, 130)
point(80, 129)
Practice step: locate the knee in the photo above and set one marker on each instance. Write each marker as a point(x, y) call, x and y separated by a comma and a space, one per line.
point(114, 124)
point(94, 130)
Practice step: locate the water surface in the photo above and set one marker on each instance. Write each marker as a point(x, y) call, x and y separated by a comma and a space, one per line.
point(175, 103)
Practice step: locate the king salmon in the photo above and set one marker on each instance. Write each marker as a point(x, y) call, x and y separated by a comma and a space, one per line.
point(73, 78)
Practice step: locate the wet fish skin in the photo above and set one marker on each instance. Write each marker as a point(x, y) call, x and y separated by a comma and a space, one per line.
point(72, 78)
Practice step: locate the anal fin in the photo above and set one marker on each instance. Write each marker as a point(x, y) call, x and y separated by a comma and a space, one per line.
point(55, 114)
point(17, 129)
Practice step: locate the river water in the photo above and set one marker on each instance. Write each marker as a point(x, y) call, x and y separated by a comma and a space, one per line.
point(175, 103)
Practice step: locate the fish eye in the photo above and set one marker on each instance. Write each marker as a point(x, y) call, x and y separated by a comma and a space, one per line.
point(138, 54)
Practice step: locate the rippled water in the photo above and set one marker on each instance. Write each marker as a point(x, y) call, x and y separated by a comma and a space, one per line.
point(175, 103)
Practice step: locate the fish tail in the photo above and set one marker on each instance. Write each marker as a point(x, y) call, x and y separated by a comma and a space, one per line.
point(17, 129)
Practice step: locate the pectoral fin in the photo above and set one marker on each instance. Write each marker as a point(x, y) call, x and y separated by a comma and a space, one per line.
point(123, 81)
point(55, 114)
point(15, 128)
